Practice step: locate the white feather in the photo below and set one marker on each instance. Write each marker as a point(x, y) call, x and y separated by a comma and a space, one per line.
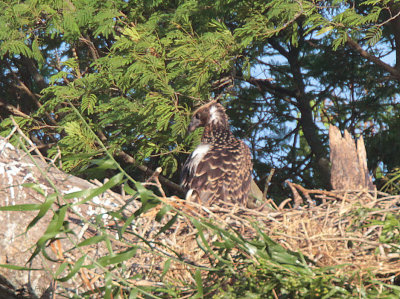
point(197, 155)
point(214, 115)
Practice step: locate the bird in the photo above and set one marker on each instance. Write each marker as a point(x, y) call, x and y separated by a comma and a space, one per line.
point(220, 167)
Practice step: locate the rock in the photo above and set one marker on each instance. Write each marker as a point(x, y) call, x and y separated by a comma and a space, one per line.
point(17, 171)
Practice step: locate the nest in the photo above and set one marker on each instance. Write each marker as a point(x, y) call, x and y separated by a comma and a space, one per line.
point(346, 229)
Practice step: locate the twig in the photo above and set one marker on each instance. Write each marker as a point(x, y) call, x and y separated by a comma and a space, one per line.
point(296, 196)
point(267, 182)
point(14, 110)
point(130, 160)
point(283, 203)
point(27, 139)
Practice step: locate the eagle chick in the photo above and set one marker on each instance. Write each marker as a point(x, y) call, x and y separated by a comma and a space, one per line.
point(219, 169)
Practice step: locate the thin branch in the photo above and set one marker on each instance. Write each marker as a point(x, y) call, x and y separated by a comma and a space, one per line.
point(267, 182)
point(266, 85)
point(22, 86)
point(14, 110)
point(390, 19)
point(356, 46)
point(27, 139)
point(130, 160)
point(296, 196)
point(86, 40)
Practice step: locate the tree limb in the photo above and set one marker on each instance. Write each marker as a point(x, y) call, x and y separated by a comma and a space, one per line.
point(130, 160)
point(356, 46)
point(266, 85)
point(14, 110)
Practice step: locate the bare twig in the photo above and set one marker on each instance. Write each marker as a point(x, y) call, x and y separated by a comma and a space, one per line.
point(130, 160)
point(296, 196)
point(267, 182)
point(27, 139)
point(393, 71)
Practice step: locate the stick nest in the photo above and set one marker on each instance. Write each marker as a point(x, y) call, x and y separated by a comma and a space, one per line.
point(347, 229)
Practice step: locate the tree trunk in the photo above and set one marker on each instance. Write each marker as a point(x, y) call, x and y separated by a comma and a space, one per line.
point(349, 162)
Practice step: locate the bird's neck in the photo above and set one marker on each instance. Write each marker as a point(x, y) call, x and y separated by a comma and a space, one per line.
point(217, 133)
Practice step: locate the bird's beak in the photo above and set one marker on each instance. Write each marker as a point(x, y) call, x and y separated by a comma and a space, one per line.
point(193, 125)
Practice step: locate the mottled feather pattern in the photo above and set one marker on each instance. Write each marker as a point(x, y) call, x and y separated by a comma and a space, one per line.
point(223, 172)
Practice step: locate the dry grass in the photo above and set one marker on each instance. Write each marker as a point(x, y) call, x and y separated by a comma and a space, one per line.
point(340, 231)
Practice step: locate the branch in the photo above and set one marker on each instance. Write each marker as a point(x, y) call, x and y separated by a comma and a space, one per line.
point(93, 51)
point(22, 86)
point(266, 85)
point(356, 46)
point(130, 160)
point(14, 110)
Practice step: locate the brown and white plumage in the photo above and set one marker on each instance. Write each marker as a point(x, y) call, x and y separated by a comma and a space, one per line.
point(220, 167)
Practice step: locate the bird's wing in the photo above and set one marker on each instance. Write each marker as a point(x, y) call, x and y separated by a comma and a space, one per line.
point(239, 178)
point(221, 174)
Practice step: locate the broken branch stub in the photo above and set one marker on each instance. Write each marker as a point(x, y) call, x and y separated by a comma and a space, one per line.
point(349, 162)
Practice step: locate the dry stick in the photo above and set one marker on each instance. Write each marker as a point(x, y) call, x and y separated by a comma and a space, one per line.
point(274, 293)
point(11, 133)
point(27, 139)
point(305, 192)
point(356, 46)
point(267, 182)
point(130, 160)
point(324, 192)
point(283, 203)
point(296, 196)
point(13, 109)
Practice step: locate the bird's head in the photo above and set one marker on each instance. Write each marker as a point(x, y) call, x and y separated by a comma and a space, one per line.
point(210, 114)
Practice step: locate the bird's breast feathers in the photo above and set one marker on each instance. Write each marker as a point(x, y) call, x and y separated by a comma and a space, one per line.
point(197, 156)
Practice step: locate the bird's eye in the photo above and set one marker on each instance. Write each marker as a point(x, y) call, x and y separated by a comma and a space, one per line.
point(197, 115)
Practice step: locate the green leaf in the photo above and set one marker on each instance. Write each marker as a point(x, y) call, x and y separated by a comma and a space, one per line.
point(166, 267)
point(22, 207)
point(165, 209)
point(90, 193)
point(324, 30)
point(77, 266)
point(129, 190)
point(131, 32)
point(199, 283)
point(108, 285)
point(117, 258)
point(35, 187)
point(91, 241)
point(168, 224)
point(61, 268)
point(128, 222)
point(44, 207)
point(15, 267)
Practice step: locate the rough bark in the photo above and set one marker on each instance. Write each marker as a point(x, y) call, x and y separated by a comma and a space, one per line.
point(349, 162)
point(301, 100)
point(307, 122)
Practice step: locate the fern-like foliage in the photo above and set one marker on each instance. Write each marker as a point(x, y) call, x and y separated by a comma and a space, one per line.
point(135, 70)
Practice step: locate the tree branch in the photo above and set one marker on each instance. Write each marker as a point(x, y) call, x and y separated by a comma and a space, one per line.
point(14, 110)
point(356, 46)
point(93, 51)
point(130, 160)
point(266, 85)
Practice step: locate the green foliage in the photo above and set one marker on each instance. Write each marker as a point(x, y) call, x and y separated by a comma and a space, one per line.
point(136, 70)
point(390, 229)
point(239, 267)
point(260, 268)
point(87, 79)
